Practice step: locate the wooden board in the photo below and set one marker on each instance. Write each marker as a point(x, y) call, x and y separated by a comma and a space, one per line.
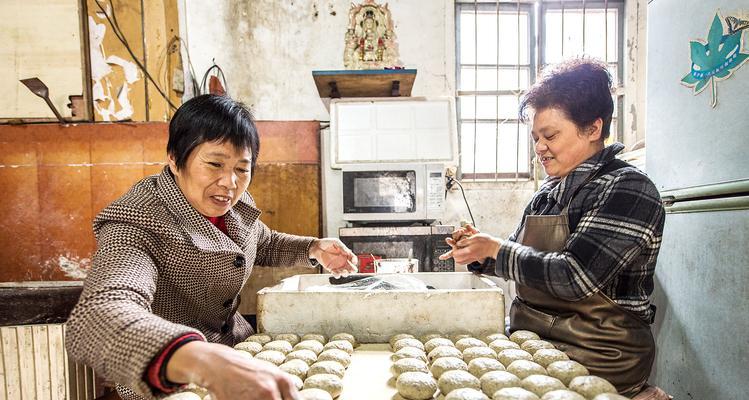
point(289, 197)
point(34, 365)
point(160, 26)
point(38, 34)
point(123, 85)
point(58, 178)
point(368, 377)
point(28, 303)
point(365, 83)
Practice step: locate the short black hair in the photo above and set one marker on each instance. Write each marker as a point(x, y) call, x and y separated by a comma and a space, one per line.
point(581, 88)
point(211, 118)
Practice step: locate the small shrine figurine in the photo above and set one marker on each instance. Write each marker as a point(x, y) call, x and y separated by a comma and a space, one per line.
point(370, 38)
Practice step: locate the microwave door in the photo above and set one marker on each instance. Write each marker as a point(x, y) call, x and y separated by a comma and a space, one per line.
point(381, 196)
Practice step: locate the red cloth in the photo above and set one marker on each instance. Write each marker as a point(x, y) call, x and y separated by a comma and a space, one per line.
point(219, 222)
point(156, 372)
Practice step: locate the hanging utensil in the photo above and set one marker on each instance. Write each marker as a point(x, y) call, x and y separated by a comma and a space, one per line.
point(40, 89)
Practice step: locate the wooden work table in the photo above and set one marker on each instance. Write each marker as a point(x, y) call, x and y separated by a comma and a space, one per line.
point(369, 377)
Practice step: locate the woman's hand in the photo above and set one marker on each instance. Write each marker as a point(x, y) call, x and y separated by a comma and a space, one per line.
point(469, 245)
point(334, 256)
point(459, 233)
point(229, 375)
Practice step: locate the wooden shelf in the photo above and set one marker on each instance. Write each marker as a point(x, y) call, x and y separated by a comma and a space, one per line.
point(364, 83)
point(48, 302)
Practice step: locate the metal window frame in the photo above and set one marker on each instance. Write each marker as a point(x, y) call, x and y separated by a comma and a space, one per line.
point(510, 7)
point(587, 5)
point(537, 44)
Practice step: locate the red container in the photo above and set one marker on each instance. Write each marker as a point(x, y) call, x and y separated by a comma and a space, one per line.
point(366, 263)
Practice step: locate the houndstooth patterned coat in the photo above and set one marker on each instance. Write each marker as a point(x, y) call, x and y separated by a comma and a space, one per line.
point(162, 270)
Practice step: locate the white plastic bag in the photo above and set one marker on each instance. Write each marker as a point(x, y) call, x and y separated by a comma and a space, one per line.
point(376, 282)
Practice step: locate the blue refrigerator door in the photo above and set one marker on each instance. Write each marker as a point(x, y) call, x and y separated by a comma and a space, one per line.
point(702, 275)
point(689, 143)
point(702, 295)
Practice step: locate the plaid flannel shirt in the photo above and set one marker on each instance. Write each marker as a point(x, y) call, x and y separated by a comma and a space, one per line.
point(616, 225)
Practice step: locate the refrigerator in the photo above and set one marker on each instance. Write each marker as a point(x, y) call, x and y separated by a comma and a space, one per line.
point(697, 156)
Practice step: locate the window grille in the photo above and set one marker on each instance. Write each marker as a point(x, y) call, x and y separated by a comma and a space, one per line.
point(498, 59)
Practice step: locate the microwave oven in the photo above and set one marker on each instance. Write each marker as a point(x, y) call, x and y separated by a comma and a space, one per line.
point(393, 192)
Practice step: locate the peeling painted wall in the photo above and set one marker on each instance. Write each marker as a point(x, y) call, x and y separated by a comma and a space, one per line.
point(120, 89)
point(111, 100)
point(635, 54)
point(268, 49)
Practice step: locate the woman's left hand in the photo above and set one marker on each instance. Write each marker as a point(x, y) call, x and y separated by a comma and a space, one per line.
point(334, 256)
point(476, 247)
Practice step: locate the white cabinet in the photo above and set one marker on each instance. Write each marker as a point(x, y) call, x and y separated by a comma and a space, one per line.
point(393, 130)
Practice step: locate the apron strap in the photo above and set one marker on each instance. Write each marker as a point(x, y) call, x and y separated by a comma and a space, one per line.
point(612, 165)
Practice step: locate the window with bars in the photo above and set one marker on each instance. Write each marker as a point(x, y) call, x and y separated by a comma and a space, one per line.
point(500, 48)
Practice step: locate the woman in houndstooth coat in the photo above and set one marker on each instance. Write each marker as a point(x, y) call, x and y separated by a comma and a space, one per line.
point(159, 307)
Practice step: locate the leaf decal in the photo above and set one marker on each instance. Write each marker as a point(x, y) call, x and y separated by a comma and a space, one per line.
point(715, 35)
point(716, 59)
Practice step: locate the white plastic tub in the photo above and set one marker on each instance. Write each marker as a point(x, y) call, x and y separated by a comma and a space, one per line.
point(461, 302)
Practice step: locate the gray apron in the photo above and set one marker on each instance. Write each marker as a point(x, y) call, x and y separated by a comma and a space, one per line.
point(610, 341)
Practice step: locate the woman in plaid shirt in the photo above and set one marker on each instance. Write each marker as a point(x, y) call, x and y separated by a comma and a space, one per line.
point(584, 255)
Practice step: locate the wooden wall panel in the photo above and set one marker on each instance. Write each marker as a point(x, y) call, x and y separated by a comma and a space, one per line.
point(296, 142)
point(61, 176)
point(289, 196)
point(111, 63)
point(55, 179)
point(19, 211)
point(158, 22)
point(34, 365)
point(286, 187)
point(161, 24)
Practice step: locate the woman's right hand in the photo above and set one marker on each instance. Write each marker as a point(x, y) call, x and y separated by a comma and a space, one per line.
point(229, 375)
point(459, 233)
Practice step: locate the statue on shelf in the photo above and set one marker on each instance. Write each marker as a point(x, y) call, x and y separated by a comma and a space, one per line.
point(370, 38)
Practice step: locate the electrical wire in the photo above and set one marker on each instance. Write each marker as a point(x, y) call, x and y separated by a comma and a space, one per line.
point(450, 181)
point(118, 33)
point(219, 74)
point(191, 69)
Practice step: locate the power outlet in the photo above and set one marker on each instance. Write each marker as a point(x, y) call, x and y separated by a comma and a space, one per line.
point(450, 176)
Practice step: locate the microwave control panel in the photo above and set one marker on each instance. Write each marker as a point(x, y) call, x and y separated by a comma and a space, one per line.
point(435, 190)
point(439, 248)
point(442, 265)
